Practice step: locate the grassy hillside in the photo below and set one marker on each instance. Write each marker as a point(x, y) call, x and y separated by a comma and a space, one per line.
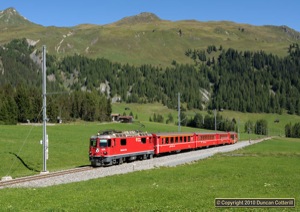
point(150, 40)
point(144, 111)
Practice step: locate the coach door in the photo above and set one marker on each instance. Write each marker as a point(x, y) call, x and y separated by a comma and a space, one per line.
point(156, 144)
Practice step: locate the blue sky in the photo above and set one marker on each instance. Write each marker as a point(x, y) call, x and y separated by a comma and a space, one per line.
point(71, 13)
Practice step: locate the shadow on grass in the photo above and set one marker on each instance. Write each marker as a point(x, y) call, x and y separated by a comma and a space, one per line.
point(83, 166)
point(22, 161)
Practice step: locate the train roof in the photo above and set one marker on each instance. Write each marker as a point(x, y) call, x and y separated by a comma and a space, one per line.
point(122, 134)
point(173, 133)
point(115, 134)
point(189, 133)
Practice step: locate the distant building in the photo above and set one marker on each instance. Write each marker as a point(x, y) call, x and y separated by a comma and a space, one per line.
point(118, 118)
point(126, 119)
point(115, 116)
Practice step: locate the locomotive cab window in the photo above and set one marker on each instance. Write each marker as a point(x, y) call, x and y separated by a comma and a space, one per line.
point(143, 140)
point(123, 142)
point(93, 142)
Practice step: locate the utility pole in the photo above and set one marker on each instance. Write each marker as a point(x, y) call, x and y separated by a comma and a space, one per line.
point(179, 112)
point(215, 112)
point(238, 128)
point(45, 136)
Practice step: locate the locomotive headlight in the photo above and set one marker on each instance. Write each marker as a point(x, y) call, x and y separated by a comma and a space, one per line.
point(104, 153)
point(97, 150)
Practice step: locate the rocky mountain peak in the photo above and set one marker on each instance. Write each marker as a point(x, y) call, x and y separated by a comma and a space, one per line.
point(10, 16)
point(144, 17)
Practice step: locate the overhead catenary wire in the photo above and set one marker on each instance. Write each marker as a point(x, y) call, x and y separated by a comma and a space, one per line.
point(22, 146)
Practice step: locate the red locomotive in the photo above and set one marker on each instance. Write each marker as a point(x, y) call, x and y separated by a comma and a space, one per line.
point(113, 147)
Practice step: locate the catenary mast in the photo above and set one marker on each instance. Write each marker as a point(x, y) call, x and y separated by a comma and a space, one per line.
point(45, 136)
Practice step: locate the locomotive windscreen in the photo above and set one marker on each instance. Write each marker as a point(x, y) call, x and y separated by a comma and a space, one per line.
point(103, 143)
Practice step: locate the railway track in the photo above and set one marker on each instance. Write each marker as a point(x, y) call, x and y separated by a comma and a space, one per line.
point(76, 175)
point(6, 183)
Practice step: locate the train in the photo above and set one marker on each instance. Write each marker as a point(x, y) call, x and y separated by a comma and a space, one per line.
point(112, 147)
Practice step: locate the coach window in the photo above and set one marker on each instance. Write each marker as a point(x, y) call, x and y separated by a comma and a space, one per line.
point(167, 140)
point(143, 140)
point(162, 140)
point(172, 140)
point(189, 139)
point(180, 139)
point(123, 142)
point(184, 138)
point(176, 139)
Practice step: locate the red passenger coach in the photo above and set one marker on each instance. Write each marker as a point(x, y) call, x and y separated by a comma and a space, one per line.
point(215, 139)
point(111, 147)
point(173, 142)
point(176, 142)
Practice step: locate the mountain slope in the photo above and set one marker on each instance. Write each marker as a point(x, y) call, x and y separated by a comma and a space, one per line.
point(144, 17)
point(145, 38)
point(10, 17)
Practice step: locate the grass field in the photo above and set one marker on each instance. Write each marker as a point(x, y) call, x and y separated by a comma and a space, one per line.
point(265, 170)
point(268, 169)
point(21, 151)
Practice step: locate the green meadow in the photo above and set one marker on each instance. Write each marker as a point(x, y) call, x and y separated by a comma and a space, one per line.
point(265, 170)
point(21, 153)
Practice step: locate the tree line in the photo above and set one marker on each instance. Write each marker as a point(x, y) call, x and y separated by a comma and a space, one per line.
point(252, 81)
point(208, 121)
point(220, 79)
point(260, 127)
point(24, 104)
point(292, 131)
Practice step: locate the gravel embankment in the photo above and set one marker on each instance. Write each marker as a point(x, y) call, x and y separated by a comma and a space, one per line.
point(169, 160)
